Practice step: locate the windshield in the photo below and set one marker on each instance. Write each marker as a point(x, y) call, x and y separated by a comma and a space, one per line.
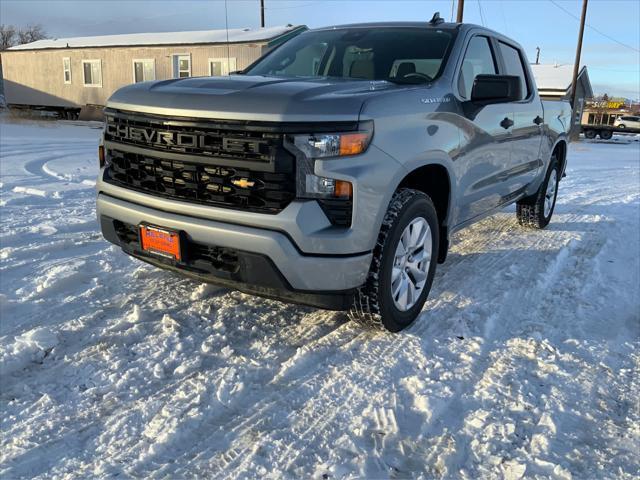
point(401, 55)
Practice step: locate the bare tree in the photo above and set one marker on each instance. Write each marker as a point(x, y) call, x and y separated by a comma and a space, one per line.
point(7, 36)
point(30, 33)
point(10, 35)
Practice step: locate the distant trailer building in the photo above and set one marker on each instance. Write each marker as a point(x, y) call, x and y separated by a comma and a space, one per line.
point(554, 83)
point(68, 74)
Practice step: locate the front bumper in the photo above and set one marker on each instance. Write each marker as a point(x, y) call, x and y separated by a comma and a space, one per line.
point(284, 271)
point(304, 221)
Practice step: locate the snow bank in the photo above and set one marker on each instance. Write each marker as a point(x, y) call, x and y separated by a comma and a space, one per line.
point(30, 347)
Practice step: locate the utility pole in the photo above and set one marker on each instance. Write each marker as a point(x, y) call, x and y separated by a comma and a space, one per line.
point(537, 55)
point(574, 132)
point(576, 65)
point(262, 13)
point(460, 11)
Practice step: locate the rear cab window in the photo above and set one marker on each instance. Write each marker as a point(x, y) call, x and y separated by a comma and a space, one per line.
point(515, 66)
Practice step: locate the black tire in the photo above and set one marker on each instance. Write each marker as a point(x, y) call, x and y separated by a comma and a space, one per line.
point(590, 134)
point(373, 305)
point(530, 211)
point(622, 125)
point(606, 134)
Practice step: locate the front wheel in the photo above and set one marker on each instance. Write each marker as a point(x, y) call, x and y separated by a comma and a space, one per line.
point(622, 125)
point(403, 264)
point(536, 211)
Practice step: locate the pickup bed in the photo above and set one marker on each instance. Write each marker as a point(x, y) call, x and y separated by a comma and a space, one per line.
point(333, 171)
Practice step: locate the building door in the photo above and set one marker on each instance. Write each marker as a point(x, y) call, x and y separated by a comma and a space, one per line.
point(181, 66)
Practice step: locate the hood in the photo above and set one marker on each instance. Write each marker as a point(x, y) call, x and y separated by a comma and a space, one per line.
point(260, 98)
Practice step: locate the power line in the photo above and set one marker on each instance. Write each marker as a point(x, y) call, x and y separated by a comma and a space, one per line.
point(594, 28)
point(504, 19)
point(291, 6)
point(613, 69)
point(481, 14)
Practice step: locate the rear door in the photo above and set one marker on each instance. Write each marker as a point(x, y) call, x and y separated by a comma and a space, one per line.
point(486, 133)
point(528, 122)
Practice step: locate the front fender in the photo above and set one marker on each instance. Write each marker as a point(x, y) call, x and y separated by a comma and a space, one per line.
point(440, 158)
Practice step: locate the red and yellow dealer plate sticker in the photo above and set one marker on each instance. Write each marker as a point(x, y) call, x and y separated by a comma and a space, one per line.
point(160, 241)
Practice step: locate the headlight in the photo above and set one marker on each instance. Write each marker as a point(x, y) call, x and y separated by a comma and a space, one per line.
point(323, 145)
point(312, 146)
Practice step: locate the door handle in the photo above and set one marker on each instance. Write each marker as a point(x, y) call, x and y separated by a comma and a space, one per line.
point(506, 123)
point(538, 120)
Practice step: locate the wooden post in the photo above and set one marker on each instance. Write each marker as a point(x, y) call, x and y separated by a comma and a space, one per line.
point(575, 122)
point(576, 65)
point(460, 11)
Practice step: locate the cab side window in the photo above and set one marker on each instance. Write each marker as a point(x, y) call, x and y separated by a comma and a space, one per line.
point(514, 66)
point(478, 60)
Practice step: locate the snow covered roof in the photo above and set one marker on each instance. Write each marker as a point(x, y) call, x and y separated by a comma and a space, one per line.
point(553, 77)
point(235, 35)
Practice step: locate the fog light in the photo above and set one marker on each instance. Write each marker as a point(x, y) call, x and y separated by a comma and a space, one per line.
point(343, 189)
point(102, 161)
point(323, 187)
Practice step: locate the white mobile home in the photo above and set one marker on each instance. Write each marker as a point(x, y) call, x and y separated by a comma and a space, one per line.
point(68, 74)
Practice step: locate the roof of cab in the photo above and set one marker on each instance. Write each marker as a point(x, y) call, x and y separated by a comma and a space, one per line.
point(459, 27)
point(424, 24)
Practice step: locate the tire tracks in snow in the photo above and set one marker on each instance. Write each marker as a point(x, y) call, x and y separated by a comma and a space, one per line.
point(329, 413)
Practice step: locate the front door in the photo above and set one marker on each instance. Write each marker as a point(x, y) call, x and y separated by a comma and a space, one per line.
point(485, 143)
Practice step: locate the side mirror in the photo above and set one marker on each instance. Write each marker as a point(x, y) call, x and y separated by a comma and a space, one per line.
point(488, 89)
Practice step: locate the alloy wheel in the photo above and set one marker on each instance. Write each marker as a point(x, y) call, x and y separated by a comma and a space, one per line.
point(550, 194)
point(411, 264)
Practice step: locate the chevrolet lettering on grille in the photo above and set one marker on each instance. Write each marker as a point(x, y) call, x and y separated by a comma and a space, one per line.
point(180, 140)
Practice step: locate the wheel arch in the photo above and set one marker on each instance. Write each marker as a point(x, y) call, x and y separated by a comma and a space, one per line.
point(435, 179)
point(560, 149)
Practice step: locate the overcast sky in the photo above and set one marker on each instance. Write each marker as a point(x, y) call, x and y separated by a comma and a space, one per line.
point(614, 68)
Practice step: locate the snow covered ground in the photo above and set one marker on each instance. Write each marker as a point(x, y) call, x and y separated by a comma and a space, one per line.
point(525, 361)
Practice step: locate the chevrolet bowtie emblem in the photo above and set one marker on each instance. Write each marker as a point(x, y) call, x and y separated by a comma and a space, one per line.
point(243, 182)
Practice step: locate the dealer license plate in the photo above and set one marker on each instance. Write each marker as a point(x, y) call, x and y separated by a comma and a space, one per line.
point(160, 241)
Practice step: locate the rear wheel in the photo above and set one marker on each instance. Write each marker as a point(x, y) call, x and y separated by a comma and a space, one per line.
point(622, 125)
point(536, 211)
point(590, 134)
point(606, 134)
point(403, 264)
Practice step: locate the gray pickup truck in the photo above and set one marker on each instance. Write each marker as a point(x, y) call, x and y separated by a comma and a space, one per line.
point(333, 171)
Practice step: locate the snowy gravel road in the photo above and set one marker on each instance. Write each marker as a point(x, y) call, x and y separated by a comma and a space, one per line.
point(524, 363)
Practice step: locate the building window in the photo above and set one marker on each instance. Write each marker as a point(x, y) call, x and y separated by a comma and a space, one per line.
point(92, 73)
point(66, 68)
point(221, 66)
point(144, 70)
point(181, 66)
